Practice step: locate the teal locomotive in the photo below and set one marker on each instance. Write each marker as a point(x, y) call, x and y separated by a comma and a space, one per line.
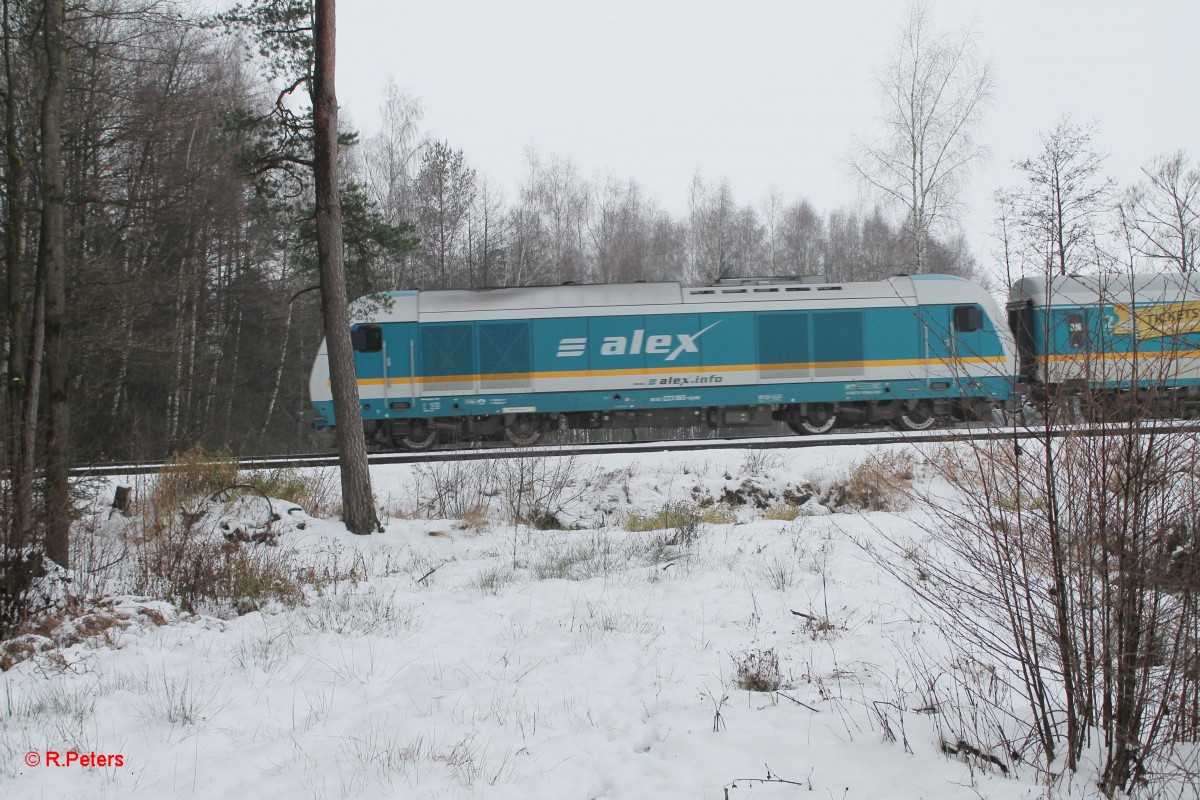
point(515, 362)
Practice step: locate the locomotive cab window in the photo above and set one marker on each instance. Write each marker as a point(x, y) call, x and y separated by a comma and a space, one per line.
point(367, 338)
point(968, 319)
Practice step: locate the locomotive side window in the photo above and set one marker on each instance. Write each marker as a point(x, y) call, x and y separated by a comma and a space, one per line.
point(968, 319)
point(1076, 334)
point(366, 338)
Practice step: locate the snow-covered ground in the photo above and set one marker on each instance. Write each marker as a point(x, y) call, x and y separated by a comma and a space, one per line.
point(460, 659)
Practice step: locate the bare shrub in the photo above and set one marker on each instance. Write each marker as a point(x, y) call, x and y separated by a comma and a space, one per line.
point(1066, 569)
point(21, 570)
point(821, 627)
point(536, 489)
point(184, 493)
point(757, 670)
point(454, 489)
point(194, 473)
point(183, 551)
point(761, 461)
point(178, 497)
point(191, 572)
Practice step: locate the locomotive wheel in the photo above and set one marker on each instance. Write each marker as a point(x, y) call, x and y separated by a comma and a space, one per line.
point(524, 431)
point(820, 419)
point(917, 419)
point(420, 437)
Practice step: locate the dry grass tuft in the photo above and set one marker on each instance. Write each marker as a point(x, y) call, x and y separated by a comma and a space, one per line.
point(882, 482)
point(718, 514)
point(316, 491)
point(670, 515)
point(783, 511)
point(757, 670)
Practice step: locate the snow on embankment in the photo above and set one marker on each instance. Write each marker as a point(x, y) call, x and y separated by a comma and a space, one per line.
point(686, 622)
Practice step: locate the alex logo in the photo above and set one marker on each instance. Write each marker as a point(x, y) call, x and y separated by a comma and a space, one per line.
point(670, 344)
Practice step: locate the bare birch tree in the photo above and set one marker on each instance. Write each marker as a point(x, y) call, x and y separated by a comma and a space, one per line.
point(619, 231)
point(935, 89)
point(1060, 210)
point(560, 199)
point(726, 240)
point(803, 240)
point(391, 159)
point(1164, 212)
point(487, 236)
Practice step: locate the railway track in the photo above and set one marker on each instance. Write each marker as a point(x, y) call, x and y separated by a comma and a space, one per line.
point(855, 438)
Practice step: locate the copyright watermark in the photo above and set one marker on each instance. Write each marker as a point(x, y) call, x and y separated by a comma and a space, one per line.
point(73, 758)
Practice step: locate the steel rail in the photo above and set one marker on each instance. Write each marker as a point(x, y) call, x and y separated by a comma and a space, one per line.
point(1013, 434)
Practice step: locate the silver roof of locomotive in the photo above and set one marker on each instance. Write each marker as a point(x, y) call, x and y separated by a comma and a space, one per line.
point(409, 306)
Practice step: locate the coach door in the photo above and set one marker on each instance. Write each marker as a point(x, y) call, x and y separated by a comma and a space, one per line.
point(383, 364)
point(1069, 347)
point(369, 370)
point(936, 343)
point(953, 338)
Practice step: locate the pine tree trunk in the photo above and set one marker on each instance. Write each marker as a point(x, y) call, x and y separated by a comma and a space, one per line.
point(21, 482)
point(52, 262)
point(358, 508)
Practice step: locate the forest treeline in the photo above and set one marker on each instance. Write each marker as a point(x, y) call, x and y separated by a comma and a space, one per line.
point(189, 241)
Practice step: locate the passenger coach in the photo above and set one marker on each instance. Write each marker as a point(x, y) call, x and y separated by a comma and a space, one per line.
point(1105, 334)
point(518, 361)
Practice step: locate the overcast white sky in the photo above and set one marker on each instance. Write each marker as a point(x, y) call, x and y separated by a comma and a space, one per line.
point(766, 93)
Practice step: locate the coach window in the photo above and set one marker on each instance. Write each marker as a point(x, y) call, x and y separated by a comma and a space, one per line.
point(968, 319)
point(1076, 334)
point(367, 338)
